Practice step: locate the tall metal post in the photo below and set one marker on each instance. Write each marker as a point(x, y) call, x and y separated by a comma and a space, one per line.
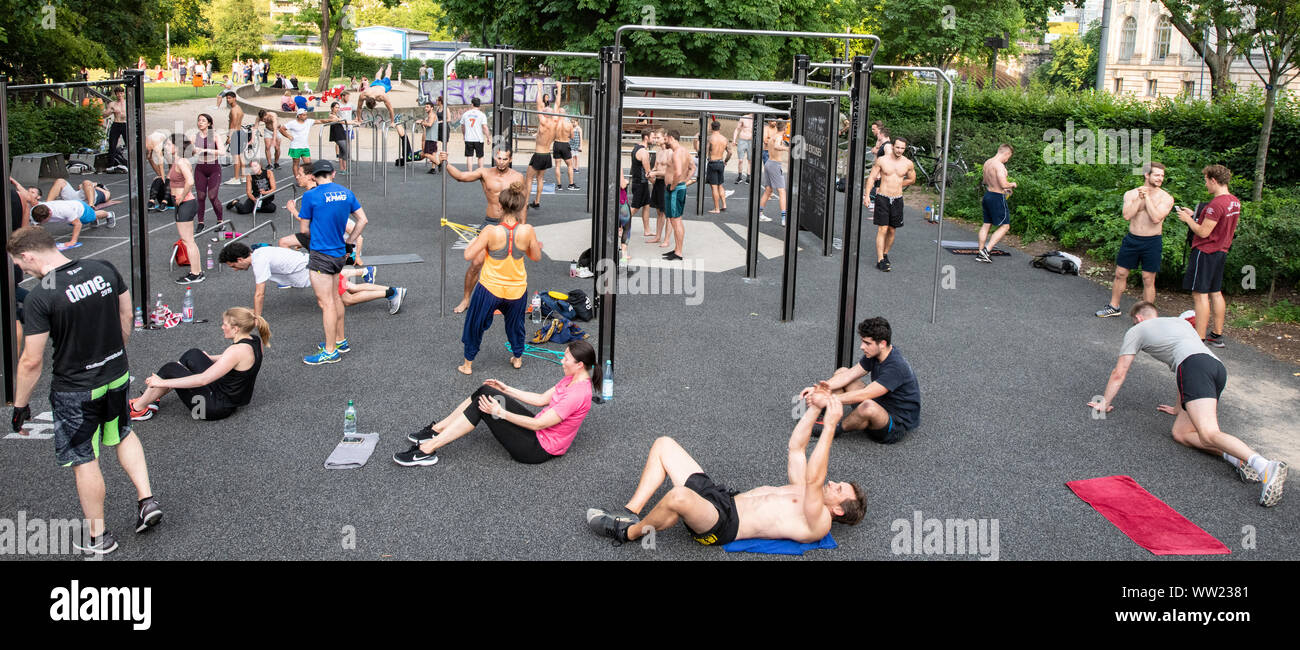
point(383, 145)
point(594, 132)
point(797, 153)
point(8, 309)
point(832, 171)
point(755, 192)
point(507, 99)
point(498, 91)
point(605, 171)
point(853, 185)
point(140, 225)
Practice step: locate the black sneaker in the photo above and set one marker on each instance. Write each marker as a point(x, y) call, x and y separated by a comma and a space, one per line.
point(573, 188)
point(102, 545)
point(883, 265)
point(150, 515)
point(559, 187)
point(421, 435)
point(190, 278)
point(1215, 340)
point(413, 457)
point(610, 525)
point(275, 166)
point(1108, 311)
point(672, 256)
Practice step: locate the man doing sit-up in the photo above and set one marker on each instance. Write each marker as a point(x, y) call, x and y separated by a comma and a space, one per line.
point(802, 510)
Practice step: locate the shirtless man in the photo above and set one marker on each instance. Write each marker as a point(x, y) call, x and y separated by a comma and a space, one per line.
point(494, 180)
point(378, 91)
point(895, 172)
point(743, 136)
point(1145, 209)
point(116, 111)
point(271, 122)
point(541, 160)
point(717, 167)
point(801, 510)
point(679, 174)
point(562, 150)
point(659, 158)
point(996, 212)
point(773, 173)
point(237, 138)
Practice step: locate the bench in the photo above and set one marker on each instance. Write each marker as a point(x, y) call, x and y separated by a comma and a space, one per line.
point(29, 168)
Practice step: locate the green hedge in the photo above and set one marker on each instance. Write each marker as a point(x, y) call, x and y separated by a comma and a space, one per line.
point(52, 129)
point(307, 65)
point(1081, 205)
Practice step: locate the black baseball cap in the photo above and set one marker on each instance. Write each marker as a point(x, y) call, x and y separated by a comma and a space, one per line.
point(322, 167)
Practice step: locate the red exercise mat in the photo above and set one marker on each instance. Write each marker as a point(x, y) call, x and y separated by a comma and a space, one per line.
point(1148, 521)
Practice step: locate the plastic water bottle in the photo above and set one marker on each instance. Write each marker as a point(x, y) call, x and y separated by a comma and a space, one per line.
point(929, 213)
point(139, 318)
point(537, 308)
point(350, 420)
point(156, 318)
point(607, 382)
point(210, 256)
point(187, 308)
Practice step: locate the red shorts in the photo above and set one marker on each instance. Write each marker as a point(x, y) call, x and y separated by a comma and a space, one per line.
point(343, 285)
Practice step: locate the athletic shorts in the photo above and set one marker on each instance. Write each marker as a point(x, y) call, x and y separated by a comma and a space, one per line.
point(344, 154)
point(84, 420)
point(386, 83)
point(638, 195)
point(187, 211)
point(70, 193)
point(889, 434)
point(1204, 271)
point(773, 175)
point(724, 501)
point(889, 211)
point(561, 150)
point(1200, 376)
point(540, 161)
point(996, 210)
point(657, 195)
point(431, 147)
point(87, 213)
point(713, 173)
point(300, 153)
point(742, 148)
point(473, 149)
point(238, 141)
point(1141, 251)
point(322, 263)
point(100, 196)
point(675, 205)
point(304, 240)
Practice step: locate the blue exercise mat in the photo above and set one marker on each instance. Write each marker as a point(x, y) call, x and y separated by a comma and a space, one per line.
point(778, 546)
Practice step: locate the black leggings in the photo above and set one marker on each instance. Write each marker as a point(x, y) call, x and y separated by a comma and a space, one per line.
point(519, 442)
point(201, 401)
point(245, 205)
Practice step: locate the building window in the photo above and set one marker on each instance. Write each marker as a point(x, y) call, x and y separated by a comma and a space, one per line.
point(1128, 39)
point(1163, 34)
point(1189, 88)
point(1151, 88)
point(1119, 85)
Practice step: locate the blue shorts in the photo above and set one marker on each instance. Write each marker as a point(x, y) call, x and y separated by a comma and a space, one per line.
point(675, 205)
point(88, 213)
point(996, 211)
point(889, 434)
point(1143, 251)
point(385, 82)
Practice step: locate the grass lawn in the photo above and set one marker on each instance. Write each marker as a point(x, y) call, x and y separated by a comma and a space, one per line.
point(170, 92)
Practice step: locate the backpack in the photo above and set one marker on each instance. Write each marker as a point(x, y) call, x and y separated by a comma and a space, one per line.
point(182, 255)
point(580, 304)
point(584, 260)
point(1057, 262)
point(553, 307)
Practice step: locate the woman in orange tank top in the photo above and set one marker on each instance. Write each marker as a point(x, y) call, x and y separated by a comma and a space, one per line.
point(503, 282)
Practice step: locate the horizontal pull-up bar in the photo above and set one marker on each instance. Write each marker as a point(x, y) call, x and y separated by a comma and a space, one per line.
point(69, 84)
point(618, 34)
point(528, 110)
point(767, 88)
point(479, 50)
point(841, 66)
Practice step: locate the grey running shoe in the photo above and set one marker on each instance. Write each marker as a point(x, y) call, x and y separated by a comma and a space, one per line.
point(395, 303)
point(983, 256)
point(1215, 340)
point(1108, 311)
point(1273, 478)
point(150, 515)
point(610, 525)
point(1247, 474)
point(102, 545)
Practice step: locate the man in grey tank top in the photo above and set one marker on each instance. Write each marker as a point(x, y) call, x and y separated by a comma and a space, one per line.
point(1201, 378)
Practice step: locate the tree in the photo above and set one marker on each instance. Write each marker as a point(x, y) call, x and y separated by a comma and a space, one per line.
point(1276, 32)
point(41, 40)
point(1074, 61)
point(189, 21)
point(1195, 20)
point(331, 20)
point(236, 27)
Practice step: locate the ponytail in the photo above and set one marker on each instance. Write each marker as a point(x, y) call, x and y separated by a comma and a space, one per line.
point(246, 321)
point(583, 353)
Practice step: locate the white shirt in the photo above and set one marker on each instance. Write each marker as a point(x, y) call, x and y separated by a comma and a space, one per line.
point(65, 211)
point(283, 265)
point(299, 131)
point(473, 121)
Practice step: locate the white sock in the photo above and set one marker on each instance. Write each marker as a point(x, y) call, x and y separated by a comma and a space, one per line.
point(1259, 463)
point(1236, 462)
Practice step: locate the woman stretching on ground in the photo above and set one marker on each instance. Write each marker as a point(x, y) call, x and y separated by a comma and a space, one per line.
point(503, 282)
point(212, 387)
point(527, 438)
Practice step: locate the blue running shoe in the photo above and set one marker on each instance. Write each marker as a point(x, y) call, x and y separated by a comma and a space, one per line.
point(322, 357)
point(369, 275)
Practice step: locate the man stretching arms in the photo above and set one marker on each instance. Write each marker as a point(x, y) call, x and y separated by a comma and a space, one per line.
point(547, 123)
point(890, 405)
point(1201, 379)
point(801, 510)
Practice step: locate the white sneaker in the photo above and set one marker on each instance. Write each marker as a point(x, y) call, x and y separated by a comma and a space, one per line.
point(233, 181)
point(763, 217)
point(584, 272)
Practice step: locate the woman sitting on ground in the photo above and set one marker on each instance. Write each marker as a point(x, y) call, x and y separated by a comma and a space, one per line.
point(212, 387)
point(527, 438)
point(259, 182)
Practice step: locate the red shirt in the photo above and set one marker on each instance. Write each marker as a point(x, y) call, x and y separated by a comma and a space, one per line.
point(1224, 210)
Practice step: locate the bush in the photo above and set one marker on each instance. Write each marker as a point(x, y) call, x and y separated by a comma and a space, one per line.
point(307, 65)
point(53, 129)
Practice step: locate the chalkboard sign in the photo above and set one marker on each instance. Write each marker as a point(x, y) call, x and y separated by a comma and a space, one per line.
point(818, 157)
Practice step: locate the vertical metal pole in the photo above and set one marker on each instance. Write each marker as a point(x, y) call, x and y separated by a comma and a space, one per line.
point(594, 131)
point(444, 134)
point(832, 171)
point(499, 90)
point(136, 200)
point(374, 150)
point(383, 145)
point(755, 192)
point(791, 261)
point(853, 186)
point(8, 309)
point(702, 161)
point(607, 174)
point(508, 100)
point(943, 187)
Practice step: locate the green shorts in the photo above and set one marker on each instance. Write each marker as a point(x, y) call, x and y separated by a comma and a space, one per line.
point(300, 153)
